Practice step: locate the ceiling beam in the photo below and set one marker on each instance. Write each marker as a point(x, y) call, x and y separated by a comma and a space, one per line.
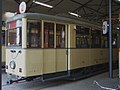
point(28, 8)
point(84, 11)
point(116, 10)
point(83, 5)
point(106, 3)
point(47, 1)
point(113, 11)
point(18, 2)
point(88, 7)
point(28, 1)
point(55, 5)
point(97, 16)
point(100, 5)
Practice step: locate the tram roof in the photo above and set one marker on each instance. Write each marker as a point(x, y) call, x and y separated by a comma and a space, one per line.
point(39, 16)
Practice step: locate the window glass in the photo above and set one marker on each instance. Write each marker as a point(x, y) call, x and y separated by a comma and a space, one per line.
point(96, 39)
point(60, 36)
point(14, 37)
point(48, 35)
point(82, 37)
point(34, 33)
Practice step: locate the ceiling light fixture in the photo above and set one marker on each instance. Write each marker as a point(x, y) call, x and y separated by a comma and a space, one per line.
point(74, 14)
point(43, 4)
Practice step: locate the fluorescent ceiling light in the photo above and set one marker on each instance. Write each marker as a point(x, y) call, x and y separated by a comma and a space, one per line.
point(43, 4)
point(74, 14)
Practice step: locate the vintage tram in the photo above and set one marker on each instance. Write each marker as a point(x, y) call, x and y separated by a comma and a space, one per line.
point(54, 47)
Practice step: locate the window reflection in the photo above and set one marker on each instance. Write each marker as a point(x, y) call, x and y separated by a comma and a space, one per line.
point(60, 36)
point(48, 35)
point(34, 33)
point(96, 38)
point(14, 37)
point(82, 37)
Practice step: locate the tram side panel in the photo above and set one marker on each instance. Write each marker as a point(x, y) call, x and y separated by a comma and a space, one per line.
point(13, 62)
point(61, 60)
point(78, 58)
point(3, 55)
point(27, 63)
point(49, 59)
point(84, 57)
point(105, 55)
point(95, 56)
point(98, 56)
point(33, 62)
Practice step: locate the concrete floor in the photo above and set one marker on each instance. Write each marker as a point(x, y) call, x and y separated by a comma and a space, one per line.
point(84, 84)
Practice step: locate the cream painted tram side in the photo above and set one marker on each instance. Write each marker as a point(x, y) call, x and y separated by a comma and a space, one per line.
point(3, 48)
point(55, 47)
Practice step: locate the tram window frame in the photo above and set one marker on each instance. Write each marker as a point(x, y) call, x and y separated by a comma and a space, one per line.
point(82, 37)
point(48, 34)
point(95, 38)
point(34, 33)
point(60, 35)
point(16, 39)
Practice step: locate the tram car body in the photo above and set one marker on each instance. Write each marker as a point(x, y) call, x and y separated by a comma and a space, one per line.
point(55, 47)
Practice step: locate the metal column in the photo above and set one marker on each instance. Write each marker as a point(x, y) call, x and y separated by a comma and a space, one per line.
point(0, 45)
point(110, 40)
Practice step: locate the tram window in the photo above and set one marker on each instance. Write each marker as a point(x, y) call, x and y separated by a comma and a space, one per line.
point(48, 35)
point(34, 34)
point(82, 37)
point(105, 41)
point(14, 37)
point(96, 39)
point(60, 36)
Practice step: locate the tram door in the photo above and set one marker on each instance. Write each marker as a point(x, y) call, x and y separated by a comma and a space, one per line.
point(55, 64)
